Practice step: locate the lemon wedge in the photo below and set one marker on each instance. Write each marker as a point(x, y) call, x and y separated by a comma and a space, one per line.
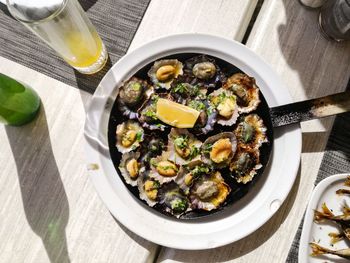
point(175, 114)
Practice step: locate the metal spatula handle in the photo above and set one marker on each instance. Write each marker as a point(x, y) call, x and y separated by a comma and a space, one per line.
point(310, 109)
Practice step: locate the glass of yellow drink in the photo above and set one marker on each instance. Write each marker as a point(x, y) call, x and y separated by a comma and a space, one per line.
point(65, 27)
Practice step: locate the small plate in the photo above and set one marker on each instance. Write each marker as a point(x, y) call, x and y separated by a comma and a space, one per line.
point(324, 192)
point(244, 217)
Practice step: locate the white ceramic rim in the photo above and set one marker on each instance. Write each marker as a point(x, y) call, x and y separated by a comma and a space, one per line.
point(222, 228)
point(303, 255)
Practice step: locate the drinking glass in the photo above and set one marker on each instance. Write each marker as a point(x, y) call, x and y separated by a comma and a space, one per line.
point(65, 27)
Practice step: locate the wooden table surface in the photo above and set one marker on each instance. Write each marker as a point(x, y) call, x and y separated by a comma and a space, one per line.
point(50, 211)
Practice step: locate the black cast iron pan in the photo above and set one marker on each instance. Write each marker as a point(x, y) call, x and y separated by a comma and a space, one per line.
point(272, 117)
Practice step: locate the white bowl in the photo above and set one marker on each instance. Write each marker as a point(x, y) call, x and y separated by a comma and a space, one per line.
point(324, 192)
point(222, 228)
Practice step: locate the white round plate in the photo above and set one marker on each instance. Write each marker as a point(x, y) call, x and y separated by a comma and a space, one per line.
point(324, 192)
point(244, 217)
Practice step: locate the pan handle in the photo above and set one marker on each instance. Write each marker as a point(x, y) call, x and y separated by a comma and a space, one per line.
point(310, 109)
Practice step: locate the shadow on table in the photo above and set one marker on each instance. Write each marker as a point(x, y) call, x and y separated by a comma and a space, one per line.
point(321, 64)
point(44, 199)
point(91, 81)
point(4, 9)
point(141, 242)
point(87, 4)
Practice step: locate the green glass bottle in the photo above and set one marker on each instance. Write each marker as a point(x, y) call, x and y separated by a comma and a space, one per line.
point(19, 104)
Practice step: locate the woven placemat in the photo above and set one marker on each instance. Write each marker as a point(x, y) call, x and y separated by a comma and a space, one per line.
point(336, 160)
point(115, 20)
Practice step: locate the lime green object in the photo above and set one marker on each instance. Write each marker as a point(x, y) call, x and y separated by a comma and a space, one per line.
point(19, 104)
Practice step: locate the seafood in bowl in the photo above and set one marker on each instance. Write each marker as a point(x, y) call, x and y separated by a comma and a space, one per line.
point(187, 135)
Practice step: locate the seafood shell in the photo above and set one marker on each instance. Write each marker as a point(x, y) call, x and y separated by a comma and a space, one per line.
point(123, 167)
point(148, 187)
point(174, 199)
point(209, 192)
point(251, 131)
point(131, 133)
point(245, 164)
point(183, 92)
point(189, 143)
point(163, 72)
point(152, 146)
point(189, 173)
point(207, 117)
point(227, 113)
point(245, 89)
point(222, 147)
point(163, 169)
point(147, 113)
point(131, 96)
point(208, 78)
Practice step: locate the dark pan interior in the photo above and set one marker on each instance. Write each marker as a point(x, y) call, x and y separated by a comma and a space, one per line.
point(238, 190)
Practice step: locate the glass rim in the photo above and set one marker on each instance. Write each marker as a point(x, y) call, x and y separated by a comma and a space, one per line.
point(48, 18)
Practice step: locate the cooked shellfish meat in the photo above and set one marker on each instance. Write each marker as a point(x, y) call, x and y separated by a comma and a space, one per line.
point(173, 198)
point(218, 150)
point(131, 96)
point(147, 113)
point(149, 190)
point(163, 72)
point(207, 116)
point(181, 172)
point(183, 91)
point(245, 164)
point(129, 135)
point(224, 101)
point(151, 147)
point(251, 131)
point(183, 146)
point(189, 173)
point(163, 169)
point(130, 167)
point(209, 192)
point(204, 71)
point(245, 89)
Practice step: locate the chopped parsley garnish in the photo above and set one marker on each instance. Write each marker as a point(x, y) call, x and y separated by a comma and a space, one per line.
point(151, 114)
point(170, 167)
point(210, 110)
point(222, 96)
point(139, 136)
point(156, 184)
point(216, 100)
point(194, 152)
point(207, 148)
point(181, 88)
point(153, 148)
point(181, 142)
point(197, 105)
point(200, 170)
point(186, 89)
point(153, 163)
point(194, 91)
point(136, 86)
point(178, 205)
